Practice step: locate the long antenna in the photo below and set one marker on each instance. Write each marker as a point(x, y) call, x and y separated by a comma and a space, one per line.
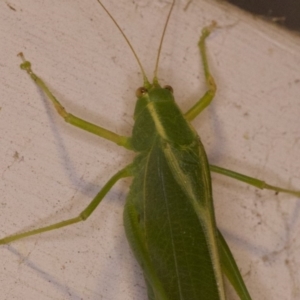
point(146, 81)
point(161, 42)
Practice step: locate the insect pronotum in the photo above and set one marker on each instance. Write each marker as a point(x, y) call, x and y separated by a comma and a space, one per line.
point(172, 151)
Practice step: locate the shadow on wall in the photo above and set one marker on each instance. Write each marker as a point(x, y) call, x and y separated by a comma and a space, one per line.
point(282, 12)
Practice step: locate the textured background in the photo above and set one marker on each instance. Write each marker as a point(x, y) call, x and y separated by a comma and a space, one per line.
point(50, 170)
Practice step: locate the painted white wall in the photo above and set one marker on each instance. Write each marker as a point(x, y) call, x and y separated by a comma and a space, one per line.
point(50, 170)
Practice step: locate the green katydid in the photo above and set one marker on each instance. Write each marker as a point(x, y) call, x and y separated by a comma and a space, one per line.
point(171, 167)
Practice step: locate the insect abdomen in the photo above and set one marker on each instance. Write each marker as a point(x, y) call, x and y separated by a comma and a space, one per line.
point(174, 250)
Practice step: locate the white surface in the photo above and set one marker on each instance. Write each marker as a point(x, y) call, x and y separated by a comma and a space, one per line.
point(50, 170)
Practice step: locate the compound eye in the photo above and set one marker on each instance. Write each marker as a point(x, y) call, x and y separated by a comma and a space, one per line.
point(168, 87)
point(141, 92)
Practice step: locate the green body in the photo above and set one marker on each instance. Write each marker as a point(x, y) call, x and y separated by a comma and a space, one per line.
point(169, 217)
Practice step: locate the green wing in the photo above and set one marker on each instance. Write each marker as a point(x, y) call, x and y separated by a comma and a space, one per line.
point(170, 224)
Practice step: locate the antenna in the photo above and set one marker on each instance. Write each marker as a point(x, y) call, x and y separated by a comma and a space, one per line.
point(146, 81)
point(161, 42)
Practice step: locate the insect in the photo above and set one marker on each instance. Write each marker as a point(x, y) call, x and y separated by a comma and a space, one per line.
point(145, 139)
